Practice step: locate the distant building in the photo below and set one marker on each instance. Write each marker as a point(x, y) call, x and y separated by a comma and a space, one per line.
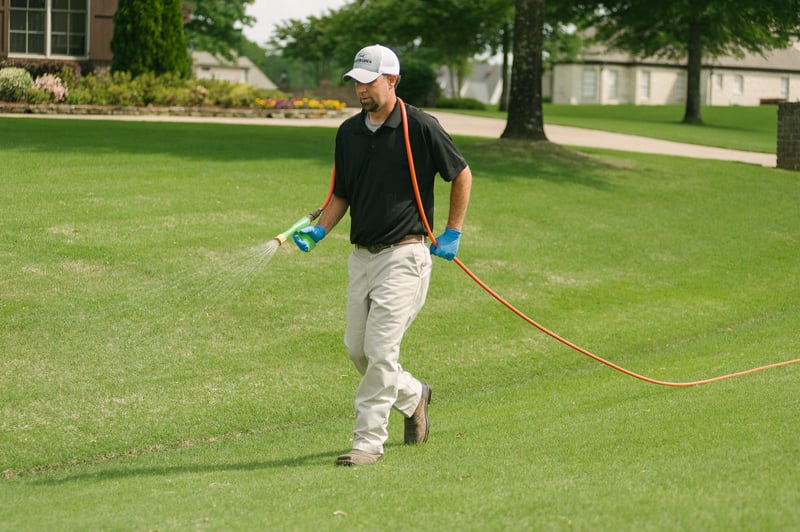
point(617, 78)
point(209, 66)
point(600, 77)
point(57, 30)
point(81, 31)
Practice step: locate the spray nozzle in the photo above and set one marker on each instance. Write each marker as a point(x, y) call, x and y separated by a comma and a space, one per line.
point(305, 221)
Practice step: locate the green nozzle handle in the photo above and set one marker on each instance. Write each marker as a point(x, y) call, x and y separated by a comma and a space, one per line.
point(305, 221)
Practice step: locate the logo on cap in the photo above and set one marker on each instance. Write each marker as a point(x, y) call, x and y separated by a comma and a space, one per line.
point(363, 58)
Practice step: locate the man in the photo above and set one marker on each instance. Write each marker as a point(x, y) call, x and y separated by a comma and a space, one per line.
point(390, 267)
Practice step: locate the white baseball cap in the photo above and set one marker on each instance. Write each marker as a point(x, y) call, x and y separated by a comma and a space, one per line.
point(371, 62)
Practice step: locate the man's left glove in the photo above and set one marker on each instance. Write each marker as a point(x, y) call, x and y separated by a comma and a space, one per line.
point(447, 244)
point(307, 237)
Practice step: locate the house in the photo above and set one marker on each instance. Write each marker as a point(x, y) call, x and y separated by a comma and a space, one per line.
point(209, 66)
point(484, 83)
point(81, 31)
point(602, 77)
point(57, 30)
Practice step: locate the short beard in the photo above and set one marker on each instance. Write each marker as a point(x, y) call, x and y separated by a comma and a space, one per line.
point(370, 108)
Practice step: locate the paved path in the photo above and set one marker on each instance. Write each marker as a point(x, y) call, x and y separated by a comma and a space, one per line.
point(458, 124)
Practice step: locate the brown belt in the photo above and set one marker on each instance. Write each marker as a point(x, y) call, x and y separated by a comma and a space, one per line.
point(377, 248)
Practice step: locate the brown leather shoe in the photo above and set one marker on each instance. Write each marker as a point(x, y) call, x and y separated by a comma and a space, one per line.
point(358, 457)
point(417, 426)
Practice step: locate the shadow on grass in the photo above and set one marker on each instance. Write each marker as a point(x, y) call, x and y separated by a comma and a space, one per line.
point(322, 459)
point(547, 161)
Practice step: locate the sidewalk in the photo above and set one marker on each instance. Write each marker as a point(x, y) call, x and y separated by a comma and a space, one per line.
point(458, 124)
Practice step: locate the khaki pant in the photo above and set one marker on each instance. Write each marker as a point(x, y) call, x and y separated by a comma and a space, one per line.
point(386, 292)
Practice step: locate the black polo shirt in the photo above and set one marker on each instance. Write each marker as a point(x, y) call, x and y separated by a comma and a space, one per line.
point(373, 175)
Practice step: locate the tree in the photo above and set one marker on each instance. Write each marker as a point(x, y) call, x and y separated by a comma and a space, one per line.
point(693, 31)
point(173, 55)
point(525, 117)
point(148, 37)
point(136, 38)
point(215, 26)
point(439, 32)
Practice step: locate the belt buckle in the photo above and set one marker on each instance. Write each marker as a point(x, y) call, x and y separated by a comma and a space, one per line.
point(410, 239)
point(377, 248)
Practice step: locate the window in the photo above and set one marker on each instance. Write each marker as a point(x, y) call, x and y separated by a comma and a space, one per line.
point(589, 85)
point(644, 85)
point(26, 28)
point(68, 27)
point(738, 84)
point(718, 81)
point(48, 27)
point(784, 90)
point(613, 78)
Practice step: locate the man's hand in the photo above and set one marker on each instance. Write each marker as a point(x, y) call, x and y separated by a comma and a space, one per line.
point(307, 237)
point(447, 244)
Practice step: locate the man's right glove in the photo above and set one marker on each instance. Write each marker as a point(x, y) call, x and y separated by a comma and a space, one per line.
point(307, 237)
point(447, 244)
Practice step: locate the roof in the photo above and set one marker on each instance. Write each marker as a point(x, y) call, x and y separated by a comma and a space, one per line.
point(255, 76)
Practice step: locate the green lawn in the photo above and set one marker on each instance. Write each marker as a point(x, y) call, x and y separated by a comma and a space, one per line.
point(158, 374)
point(739, 128)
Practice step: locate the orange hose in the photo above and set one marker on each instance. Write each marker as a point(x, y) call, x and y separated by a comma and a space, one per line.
point(522, 315)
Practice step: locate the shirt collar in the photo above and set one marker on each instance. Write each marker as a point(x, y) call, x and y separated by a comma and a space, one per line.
point(393, 120)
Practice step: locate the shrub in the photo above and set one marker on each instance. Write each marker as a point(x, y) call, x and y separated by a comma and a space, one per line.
point(38, 96)
point(240, 95)
point(120, 88)
point(460, 103)
point(418, 84)
point(50, 85)
point(14, 84)
point(38, 67)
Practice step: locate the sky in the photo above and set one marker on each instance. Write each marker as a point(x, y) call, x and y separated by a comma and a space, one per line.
point(268, 13)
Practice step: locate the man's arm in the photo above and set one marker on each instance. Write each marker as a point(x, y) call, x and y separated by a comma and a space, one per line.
point(333, 212)
point(448, 242)
point(307, 237)
point(460, 190)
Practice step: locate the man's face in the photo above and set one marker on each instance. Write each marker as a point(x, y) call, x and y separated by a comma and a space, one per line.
point(373, 96)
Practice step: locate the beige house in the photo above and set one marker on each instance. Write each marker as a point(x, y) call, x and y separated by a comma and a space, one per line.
point(618, 78)
point(242, 70)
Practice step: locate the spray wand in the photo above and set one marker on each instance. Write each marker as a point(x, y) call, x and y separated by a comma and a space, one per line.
point(305, 221)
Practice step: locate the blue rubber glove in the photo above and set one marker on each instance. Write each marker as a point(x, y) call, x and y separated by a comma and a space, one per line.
point(447, 244)
point(307, 237)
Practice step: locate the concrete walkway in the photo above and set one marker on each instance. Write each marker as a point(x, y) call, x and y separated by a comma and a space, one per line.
point(572, 136)
point(458, 124)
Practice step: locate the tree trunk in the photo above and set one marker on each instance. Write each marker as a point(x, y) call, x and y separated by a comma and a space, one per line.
point(694, 66)
point(525, 120)
point(503, 106)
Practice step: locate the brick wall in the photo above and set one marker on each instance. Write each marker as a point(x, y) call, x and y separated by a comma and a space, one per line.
point(789, 136)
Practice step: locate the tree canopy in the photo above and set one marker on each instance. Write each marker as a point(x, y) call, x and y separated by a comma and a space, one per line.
point(441, 32)
point(216, 25)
